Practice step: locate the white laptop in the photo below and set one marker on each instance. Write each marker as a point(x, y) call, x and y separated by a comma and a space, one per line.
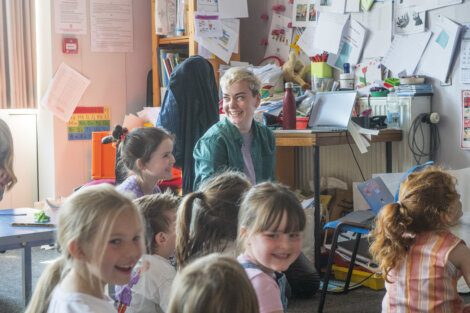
point(331, 111)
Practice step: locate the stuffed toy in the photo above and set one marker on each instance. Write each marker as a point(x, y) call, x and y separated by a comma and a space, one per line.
point(294, 71)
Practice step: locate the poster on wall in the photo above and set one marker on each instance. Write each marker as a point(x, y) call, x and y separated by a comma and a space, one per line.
point(465, 133)
point(408, 20)
point(280, 36)
point(70, 17)
point(304, 13)
point(86, 120)
point(332, 6)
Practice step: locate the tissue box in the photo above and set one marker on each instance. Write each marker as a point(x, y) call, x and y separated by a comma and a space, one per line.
point(321, 70)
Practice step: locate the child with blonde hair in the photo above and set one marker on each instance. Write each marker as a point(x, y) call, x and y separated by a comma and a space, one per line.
point(207, 219)
point(212, 284)
point(270, 226)
point(419, 256)
point(149, 290)
point(7, 175)
point(99, 234)
point(147, 153)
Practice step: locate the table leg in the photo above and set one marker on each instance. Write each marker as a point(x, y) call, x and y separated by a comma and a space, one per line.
point(26, 273)
point(317, 213)
point(388, 156)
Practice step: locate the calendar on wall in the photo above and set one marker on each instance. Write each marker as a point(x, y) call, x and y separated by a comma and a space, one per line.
point(465, 57)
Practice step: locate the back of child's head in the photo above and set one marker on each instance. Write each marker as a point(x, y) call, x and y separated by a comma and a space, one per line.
point(212, 284)
point(207, 219)
point(6, 153)
point(139, 144)
point(87, 217)
point(263, 208)
point(427, 201)
point(156, 210)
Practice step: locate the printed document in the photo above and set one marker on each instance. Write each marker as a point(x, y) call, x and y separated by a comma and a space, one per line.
point(64, 92)
point(438, 56)
point(70, 17)
point(405, 52)
point(329, 30)
point(350, 47)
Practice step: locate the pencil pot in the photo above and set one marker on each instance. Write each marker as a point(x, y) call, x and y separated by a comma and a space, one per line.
point(320, 70)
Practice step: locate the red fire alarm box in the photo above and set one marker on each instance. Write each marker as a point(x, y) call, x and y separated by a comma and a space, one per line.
point(70, 45)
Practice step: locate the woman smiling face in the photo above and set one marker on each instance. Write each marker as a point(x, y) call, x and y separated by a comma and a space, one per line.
point(240, 105)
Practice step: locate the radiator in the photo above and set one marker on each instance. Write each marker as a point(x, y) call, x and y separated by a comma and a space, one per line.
point(338, 161)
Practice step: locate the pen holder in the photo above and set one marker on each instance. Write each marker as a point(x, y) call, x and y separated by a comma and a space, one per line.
point(320, 69)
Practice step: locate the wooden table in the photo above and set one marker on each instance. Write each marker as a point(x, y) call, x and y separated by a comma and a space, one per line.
point(308, 138)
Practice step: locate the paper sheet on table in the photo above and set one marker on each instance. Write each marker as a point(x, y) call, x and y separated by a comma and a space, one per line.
point(465, 57)
point(379, 31)
point(439, 53)
point(408, 20)
point(353, 6)
point(224, 46)
point(233, 8)
point(405, 52)
point(279, 45)
point(328, 32)
point(350, 47)
point(430, 4)
point(361, 142)
point(331, 6)
point(64, 92)
point(304, 13)
point(207, 25)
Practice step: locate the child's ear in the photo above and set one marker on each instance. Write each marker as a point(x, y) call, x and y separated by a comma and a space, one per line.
point(75, 250)
point(160, 238)
point(243, 232)
point(140, 164)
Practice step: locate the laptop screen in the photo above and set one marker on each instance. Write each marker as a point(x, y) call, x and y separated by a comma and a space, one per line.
point(332, 109)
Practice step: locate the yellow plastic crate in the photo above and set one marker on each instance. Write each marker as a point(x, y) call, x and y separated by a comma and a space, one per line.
point(375, 282)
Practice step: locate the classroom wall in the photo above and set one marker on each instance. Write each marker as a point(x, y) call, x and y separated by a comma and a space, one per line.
point(118, 80)
point(446, 100)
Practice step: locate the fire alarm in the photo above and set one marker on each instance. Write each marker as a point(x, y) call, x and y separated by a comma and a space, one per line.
point(70, 45)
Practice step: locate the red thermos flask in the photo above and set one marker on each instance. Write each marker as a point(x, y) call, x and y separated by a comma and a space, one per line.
point(288, 107)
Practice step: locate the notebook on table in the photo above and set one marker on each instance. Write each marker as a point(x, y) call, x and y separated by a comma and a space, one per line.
point(331, 111)
point(376, 195)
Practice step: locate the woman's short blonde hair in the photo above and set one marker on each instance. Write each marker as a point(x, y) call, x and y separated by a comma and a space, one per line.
point(212, 284)
point(238, 74)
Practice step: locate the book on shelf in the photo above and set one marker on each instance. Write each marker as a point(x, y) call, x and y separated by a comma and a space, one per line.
point(414, 90)
point(168, 59)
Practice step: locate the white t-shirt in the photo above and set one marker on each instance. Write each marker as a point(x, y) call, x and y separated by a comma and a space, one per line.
point(152, 292)
point(75, 302)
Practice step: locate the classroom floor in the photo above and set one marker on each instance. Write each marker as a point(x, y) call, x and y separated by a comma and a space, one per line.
point(361, 300)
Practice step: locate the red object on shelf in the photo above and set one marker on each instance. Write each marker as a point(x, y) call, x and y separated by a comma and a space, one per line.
point(288, 108)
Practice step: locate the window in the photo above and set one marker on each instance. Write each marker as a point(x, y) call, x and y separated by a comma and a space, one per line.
point(17, 54)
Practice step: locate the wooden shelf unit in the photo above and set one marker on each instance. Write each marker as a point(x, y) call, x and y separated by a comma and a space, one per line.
point(187, 40)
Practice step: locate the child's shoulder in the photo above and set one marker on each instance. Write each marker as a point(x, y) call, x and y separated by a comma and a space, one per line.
point(75, 302)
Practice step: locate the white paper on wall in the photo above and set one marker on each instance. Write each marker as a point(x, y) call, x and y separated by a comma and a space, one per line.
point(64, 92)
point(329, 30)
point(304, 13)
point(465, 57)
point(378, 22)
point(280, 37)
point(207, 25)
point(350, 47)
point(429, 4)
point(165, 17)
point(223, 46)
point(408, 20)
point(70, 17)
point(233, 8)
point(405, 52)
point(331, 6)
point(207, 6)
point(438, 55)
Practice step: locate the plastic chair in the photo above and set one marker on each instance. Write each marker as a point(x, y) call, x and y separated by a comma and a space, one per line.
point(340, 227)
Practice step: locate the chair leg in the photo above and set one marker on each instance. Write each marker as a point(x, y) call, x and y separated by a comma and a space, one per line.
point(352, 262)
point(326, 279)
